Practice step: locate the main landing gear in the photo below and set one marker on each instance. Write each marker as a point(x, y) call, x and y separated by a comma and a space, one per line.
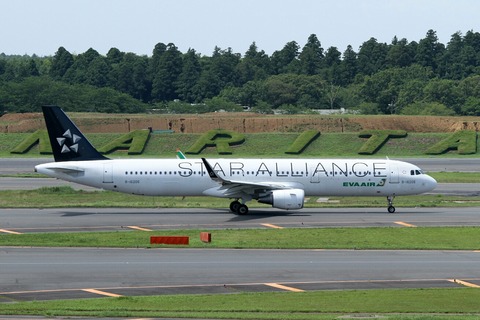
point(238, 208)
point(391, 208)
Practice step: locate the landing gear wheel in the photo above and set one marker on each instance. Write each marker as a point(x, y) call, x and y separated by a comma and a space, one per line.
point(234, 206)
point(391, 208)
point(242, 210)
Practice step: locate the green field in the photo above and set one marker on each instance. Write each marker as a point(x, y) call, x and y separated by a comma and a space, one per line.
point(424, 304)
point(258, 145)
point(394, 238)
point(456, 177)
point(56, 197)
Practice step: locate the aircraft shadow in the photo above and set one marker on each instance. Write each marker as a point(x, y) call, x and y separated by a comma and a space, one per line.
point(253, 213)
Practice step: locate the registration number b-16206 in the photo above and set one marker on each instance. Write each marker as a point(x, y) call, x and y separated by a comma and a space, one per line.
point(132, 181)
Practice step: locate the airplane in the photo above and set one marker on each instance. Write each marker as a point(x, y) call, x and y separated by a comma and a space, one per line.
point(281, 183)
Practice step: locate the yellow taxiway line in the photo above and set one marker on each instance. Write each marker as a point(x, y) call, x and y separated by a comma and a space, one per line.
point(279, 286)
point(271, 226)
point(9, 231)
point(139, 228)
point(405, 224)
point(102, 293)
point(464, 283)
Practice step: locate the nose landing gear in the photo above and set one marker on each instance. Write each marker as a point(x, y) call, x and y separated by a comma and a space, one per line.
point(391, 208)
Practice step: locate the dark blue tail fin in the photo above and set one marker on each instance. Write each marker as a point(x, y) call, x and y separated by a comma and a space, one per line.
point(68, 143)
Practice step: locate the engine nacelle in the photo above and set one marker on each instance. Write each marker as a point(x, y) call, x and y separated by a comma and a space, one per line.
point(288, 199)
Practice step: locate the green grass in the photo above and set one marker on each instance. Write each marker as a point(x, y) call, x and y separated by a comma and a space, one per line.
point(55, 197)
point(461, 303)
point(260, 145)
point(377, 138)
point(464, 141)
point(393, 238)
point(456, 177)
point(52, 197)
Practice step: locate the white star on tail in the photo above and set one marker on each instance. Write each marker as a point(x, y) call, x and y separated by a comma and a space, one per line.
point(62, 142)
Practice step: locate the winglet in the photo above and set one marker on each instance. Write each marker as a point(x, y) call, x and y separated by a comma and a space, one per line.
point(68, 143)
point(211, 172)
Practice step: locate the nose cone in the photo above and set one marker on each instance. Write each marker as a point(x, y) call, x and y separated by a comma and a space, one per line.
point(428, 183)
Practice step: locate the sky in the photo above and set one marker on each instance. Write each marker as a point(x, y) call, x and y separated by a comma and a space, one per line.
point(42, 26)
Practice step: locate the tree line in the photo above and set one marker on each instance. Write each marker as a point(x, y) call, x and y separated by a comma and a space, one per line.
point(424, 77)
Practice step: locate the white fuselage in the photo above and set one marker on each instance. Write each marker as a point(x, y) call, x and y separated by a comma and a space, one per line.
point(189, 177)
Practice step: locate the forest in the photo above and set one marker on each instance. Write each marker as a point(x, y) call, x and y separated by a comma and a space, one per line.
point(415, 78)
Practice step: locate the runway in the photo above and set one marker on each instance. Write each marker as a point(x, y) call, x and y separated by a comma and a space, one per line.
point(30, 273)
point(118, 219)
point(54, 273)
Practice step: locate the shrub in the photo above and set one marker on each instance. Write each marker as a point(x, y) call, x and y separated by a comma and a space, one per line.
point(377, 138)
point(134, 141)
point(222, 139)
point(464, 141)
point(303, 141)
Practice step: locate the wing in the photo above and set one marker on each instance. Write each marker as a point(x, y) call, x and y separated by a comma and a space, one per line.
point(236, 188)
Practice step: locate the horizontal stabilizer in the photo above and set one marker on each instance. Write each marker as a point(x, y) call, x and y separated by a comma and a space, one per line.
point(57, 167)
point(67, 170)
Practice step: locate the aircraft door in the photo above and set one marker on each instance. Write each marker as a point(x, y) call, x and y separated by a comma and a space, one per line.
point(107, 173)
point(394, 178)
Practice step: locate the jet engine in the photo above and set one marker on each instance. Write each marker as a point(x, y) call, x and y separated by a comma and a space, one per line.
point(288, 199)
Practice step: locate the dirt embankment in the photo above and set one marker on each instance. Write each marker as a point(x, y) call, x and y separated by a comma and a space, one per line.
point(242, 122)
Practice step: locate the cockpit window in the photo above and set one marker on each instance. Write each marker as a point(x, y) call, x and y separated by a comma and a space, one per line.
point(416, 172)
